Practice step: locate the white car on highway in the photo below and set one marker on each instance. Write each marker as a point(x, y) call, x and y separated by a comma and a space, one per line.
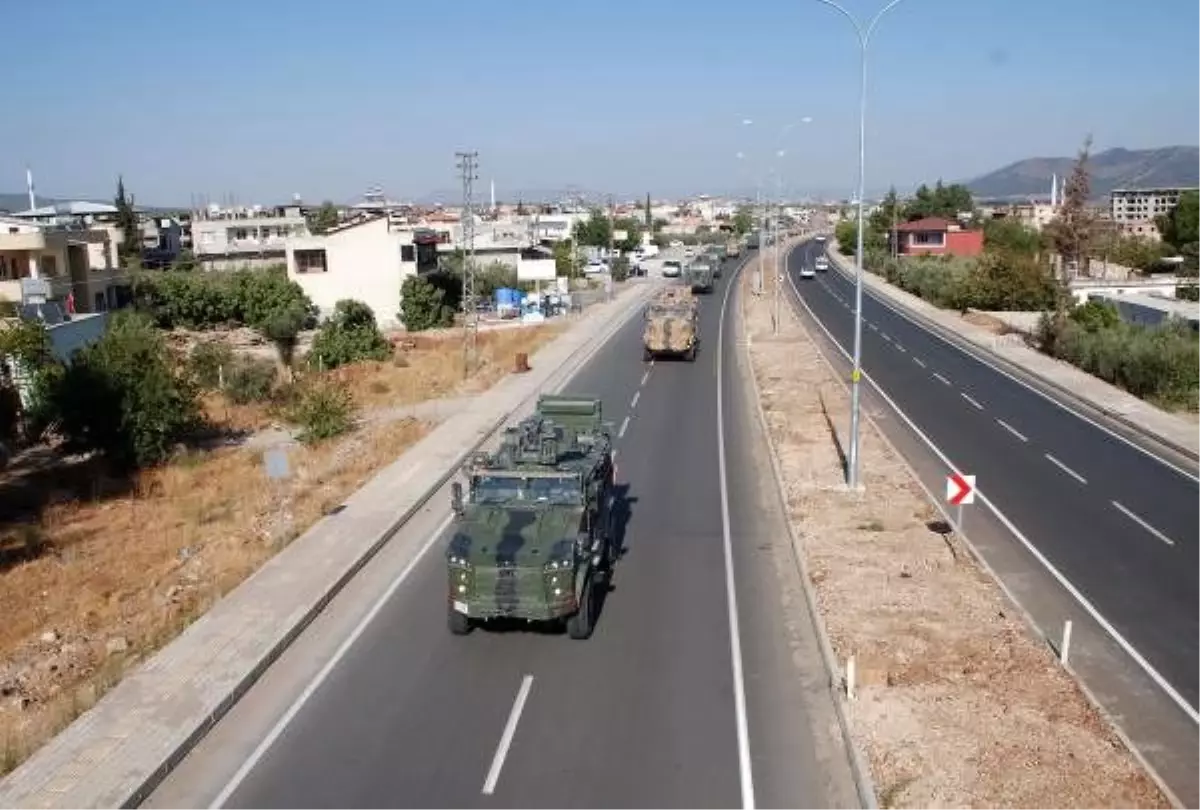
point(672, 268)
point(807, 272)
point(822, 263)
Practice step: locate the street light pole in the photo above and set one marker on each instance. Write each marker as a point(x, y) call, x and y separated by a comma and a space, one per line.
point(864, 39)
point(778, 249)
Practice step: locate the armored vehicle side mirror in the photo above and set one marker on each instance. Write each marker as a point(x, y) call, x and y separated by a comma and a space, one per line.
point(456, 497)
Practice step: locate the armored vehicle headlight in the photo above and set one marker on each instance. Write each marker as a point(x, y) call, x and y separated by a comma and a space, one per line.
point(454, 559)
point(558, 565)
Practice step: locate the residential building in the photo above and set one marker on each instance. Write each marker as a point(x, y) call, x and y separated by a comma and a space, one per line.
point(1135, 211)
point(934, 236)
point(70, 257)
point(231, 238)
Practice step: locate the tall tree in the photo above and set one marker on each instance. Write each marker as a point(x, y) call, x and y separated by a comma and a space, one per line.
point(324, 218)
point(130, 250)
point(649, 215)
point(1072, 231)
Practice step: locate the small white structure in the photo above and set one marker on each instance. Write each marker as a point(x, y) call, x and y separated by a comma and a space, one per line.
point(366, 260)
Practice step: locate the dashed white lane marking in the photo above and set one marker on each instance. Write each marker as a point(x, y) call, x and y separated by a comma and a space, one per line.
point(510, 728)
point(885, 336)
point(919, 362)
point(900, 348)
point(940, 377)
point(1065, 468)
point(1011, 430)
point(873, 326)
point(624, 427)
point(1130, 514)
point(972, 400)
point(645, 377)
point(637, 395)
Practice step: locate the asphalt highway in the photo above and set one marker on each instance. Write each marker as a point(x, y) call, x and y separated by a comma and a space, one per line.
point(1121, 525)
point(645, 712)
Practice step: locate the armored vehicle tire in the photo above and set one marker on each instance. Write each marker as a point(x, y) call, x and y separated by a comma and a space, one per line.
point(459, 624)
point(691, 354)
point(647, 355)
point(580, 624)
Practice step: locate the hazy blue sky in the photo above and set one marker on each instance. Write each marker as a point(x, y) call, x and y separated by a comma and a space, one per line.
point(263, 98)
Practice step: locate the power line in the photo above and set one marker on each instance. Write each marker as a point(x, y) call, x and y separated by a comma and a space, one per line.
point(468, 167)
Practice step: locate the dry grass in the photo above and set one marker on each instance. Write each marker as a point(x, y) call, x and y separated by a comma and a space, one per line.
point(121, 569)
point(957, 705)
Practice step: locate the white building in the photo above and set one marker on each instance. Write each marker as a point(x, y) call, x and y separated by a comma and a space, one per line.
point(232, 238)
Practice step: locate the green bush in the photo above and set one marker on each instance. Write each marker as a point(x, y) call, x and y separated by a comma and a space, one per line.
point(1160, 364)
point(620, 269)
point(203, 300)
point(349, 336)
point(321, 410)
point(123, 396)
point(208, 361)
point(250, 380)
point(1187, 292)
point(423, 305)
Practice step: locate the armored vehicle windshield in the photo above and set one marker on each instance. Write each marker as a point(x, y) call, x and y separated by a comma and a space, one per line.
point(514, 488)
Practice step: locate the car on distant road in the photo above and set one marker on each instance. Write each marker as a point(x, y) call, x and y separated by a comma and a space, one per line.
point(820, 237)
point(595, 266)
point(822, 264)
point(672, 268)
point(807, 272)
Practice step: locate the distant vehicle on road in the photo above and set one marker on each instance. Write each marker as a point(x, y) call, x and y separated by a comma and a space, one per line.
point(672, 268)
point(675, 243)
point(534, 531)
point(807, 272)
point(595, 266)
point(820, 237)
point(733, 248)
point(822, 264)
point(699, 276)
point(672, 325)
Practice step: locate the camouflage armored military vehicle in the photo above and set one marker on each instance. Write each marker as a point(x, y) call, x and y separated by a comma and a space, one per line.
point(699, 275)
point(533, 532)
point(716, 258)
point(733, 247)
point(672, 325)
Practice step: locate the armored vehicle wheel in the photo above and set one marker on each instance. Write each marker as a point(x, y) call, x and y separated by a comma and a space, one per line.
point(459, 624)
point(647, 355)
point(579, 626)
point(691, 354)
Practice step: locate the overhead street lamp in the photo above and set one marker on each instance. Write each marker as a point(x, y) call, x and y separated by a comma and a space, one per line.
point(864, 39)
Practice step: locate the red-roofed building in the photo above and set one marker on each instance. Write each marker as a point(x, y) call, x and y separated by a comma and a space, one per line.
point(938, 237)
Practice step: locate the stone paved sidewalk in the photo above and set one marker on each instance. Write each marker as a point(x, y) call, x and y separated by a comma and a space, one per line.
point(113, 754)
point(1173, 430)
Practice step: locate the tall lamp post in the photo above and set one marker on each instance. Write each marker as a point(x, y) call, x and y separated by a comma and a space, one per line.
point(762, 199)
point(864, 39)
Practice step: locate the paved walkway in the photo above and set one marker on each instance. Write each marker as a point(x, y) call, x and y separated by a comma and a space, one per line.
point(1072, 383)
point(111, 755)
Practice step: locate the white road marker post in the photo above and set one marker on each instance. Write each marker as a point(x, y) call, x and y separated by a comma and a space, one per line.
point(850, 673)
point(960, 491)
point(1064, 651)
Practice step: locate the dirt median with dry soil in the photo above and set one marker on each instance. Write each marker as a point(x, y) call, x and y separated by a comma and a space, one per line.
point(957, 704)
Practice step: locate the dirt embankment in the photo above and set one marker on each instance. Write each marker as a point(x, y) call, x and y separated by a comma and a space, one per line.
point(957, 704)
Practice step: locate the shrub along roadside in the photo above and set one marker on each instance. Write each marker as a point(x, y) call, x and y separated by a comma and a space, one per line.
point(1160, 364)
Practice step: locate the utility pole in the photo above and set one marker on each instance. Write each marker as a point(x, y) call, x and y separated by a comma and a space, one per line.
point(468, 166)
point(779, 270)
point(762, 236)
point(612, 229)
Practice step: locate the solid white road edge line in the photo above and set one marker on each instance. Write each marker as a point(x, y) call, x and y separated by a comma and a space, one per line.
point(1058, 576)
point(1132, 516)
point(745, 770)
point(895, 309)
point(510, 728)
point(1065, 468)
point(282, 723)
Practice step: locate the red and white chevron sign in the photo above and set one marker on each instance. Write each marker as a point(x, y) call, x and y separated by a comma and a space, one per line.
point(960, 489)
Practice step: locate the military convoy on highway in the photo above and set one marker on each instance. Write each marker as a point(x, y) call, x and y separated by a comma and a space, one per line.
point(672, 325)
point(699, 274)
point(533, 530)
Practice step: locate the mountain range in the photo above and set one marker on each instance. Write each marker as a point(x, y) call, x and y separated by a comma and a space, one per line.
point(1166, 167)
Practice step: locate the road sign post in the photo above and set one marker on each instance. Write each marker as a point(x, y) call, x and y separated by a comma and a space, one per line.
point(960, 492)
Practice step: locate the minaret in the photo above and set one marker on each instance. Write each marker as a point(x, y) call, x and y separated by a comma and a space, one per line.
point(29, 187)
point(493, 195)
point(1054, 191)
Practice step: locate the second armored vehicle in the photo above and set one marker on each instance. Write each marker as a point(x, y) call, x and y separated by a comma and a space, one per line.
point(699, 275)
point(672, 325)
point(533, 533)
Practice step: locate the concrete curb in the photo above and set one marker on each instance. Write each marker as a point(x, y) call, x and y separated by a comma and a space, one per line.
point(863, 782)
point(1115, 420)
point(72, 769)
point(1027, 617)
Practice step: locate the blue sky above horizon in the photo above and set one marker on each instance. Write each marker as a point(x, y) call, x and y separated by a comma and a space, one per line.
point(262, 99)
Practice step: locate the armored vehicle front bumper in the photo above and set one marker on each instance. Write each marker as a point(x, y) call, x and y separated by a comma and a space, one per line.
point(544, 593)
